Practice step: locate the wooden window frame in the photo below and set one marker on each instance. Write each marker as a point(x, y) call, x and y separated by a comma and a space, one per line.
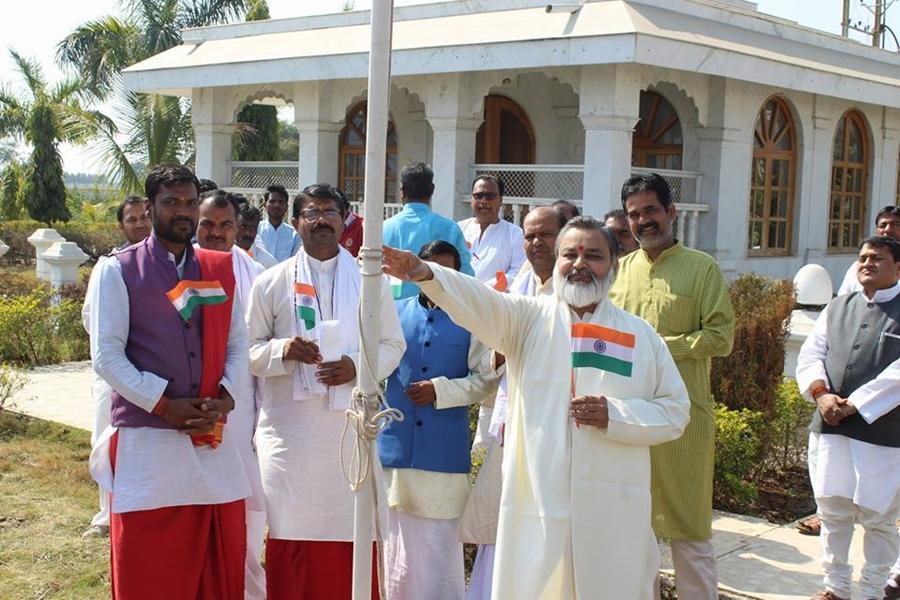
point(765, 147)
point(851, 117)
point(345, 149)
point(644, 139)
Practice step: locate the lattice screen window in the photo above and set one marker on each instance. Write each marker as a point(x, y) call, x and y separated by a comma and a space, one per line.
point(772, 181)
point(352, 158)
point(849, 184)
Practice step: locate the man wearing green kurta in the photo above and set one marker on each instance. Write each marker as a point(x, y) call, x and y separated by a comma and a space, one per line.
point(682, 294)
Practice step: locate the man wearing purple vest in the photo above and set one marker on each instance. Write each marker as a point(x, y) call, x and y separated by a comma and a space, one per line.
point(176, 478)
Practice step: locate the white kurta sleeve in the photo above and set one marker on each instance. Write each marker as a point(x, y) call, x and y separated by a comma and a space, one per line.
point(850, 283)
point(494, 318)
point(109, 335)
point(266, 350)
point(92, 283)
point(811, 360)
point(236, 376)
point(391, 344)
point(478, 386)
point(649, 421)
point(877, 397)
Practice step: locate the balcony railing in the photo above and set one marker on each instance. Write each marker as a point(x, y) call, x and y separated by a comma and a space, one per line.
point(260, 174)
point(529, 186)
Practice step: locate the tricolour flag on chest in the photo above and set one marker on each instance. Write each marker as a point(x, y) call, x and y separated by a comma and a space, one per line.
point(189, 294)
point(598, 347)
point(306, 301)
point(396, 287)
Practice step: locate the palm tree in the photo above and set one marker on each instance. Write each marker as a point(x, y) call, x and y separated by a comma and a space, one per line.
point(157, 127)
point(44, 117)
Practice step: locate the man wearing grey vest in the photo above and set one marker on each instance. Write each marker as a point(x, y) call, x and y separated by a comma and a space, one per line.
point(850, 367)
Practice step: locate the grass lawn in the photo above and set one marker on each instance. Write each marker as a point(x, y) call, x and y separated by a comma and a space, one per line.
point(47, 499)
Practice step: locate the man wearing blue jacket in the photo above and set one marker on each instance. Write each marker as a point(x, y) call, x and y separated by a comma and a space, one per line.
point(426, 457)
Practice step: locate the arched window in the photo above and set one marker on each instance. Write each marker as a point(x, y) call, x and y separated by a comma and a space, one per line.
point(657, 141)
point(772, 180)
point(897, 199)
point(849, 183)
point(352, 165)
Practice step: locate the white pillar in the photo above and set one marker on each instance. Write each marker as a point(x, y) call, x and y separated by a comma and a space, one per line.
point(319, 147)
point(449, 109)
point(63, 259)
point(607, 161)
point(213, 123)
point(886, 173)
point(608, 107)
point(3, 248)
point(452, 152)
point(42, 239)
point(812, 207)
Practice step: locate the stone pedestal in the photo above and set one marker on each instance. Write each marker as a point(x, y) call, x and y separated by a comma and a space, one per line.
point(3, 248)
point(63, 259)
point(42, 239)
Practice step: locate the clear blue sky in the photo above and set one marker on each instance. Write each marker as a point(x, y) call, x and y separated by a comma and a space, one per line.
point(35, 27)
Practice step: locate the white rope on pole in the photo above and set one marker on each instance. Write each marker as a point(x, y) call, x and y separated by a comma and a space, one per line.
point(365, 416)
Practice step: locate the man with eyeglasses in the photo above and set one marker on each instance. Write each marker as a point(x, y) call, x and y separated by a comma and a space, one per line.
point(887, 223)
point(304, 347)
point(497, 246)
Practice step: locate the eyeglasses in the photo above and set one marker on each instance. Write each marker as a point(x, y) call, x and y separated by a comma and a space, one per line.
point(314, 215)
point(484, 196)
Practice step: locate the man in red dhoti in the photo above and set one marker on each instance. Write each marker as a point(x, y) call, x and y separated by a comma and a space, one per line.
point(169, 337)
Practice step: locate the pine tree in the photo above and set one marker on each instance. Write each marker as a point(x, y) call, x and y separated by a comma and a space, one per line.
point(45, 191)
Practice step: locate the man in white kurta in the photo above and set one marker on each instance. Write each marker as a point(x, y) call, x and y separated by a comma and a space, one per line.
point(217, 230)
point(135, 226)
point(307, 365)
point(479, 521)
point(496, 244)
point(849, 367)
point(575, 507)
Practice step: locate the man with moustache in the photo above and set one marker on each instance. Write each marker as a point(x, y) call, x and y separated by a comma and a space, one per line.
point(134, 224)
point(590, 388)
point(850, 367)
point(495, 244)
point(247, 239)
point(617, 221)
point(169, 337)
point(276, 236)
point(304, 347)
point(479, 521)
point(682, 294)
point(216, 230)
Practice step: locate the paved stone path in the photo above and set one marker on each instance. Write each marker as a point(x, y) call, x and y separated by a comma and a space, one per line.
point(757, 559)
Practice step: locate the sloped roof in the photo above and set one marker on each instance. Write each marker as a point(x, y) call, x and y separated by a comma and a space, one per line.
point(702, 36)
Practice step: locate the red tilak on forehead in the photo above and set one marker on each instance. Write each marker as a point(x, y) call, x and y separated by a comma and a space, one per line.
point(581, 248)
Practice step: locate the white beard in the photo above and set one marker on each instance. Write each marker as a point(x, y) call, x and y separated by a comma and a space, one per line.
point(579, 295)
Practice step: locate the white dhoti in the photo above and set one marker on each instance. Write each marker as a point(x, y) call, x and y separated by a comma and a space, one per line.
point(424, 558)
point(482, 573)
point(254, 574)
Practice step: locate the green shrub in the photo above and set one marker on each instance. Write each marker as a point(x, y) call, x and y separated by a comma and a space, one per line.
point(786, 434)
point(95, 239)
point(737, 452)
point(750, 376)
point(40, 328)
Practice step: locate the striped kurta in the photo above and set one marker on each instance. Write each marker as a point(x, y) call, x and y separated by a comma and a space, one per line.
point(684, 297)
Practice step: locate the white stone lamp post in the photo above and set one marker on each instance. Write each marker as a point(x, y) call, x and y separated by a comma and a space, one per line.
point(42, 239)
point(813, 285)
point(63, 259)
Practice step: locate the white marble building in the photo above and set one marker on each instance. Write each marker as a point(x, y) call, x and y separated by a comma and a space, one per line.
point(781, 142)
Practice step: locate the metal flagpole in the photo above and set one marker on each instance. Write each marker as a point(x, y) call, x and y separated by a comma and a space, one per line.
point(370, 301)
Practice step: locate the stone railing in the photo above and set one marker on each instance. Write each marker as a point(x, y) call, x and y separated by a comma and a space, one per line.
point(57, 260)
